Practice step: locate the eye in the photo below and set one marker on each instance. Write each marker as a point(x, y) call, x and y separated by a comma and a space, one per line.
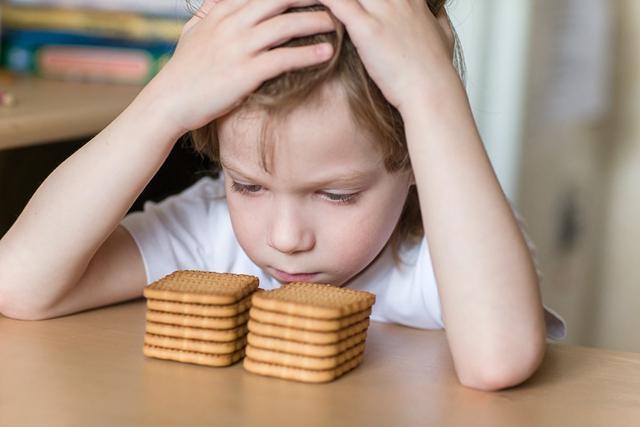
point(340, 198)
point(245, 188)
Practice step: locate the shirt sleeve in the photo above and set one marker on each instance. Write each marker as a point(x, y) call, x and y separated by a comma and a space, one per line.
point(172, 234)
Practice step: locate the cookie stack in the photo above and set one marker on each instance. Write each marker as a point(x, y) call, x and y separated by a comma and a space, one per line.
point(307, 332)
point(198, 317)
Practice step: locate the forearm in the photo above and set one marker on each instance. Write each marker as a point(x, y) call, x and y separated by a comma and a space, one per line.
point(488, 287)
point(79, 205)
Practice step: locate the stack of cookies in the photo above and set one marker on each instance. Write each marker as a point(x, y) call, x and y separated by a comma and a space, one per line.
point(307, 332)
point(198, 317)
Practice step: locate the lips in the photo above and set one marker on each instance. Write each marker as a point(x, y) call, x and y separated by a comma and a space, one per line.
point(293, 277)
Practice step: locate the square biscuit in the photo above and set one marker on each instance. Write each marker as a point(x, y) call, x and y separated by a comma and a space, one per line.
point(202, 287)
point(217, 360)
point(210, 310)
point(304, 336)
point(314, 300)
point(299, 374)
point(302, 348)
point(308, 323)
point(303, 362)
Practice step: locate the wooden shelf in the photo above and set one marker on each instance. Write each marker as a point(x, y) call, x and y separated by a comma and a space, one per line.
point(49, 111)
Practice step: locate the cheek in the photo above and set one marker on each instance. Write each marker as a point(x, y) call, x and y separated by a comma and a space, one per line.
point(359, 238)
point(246, 225)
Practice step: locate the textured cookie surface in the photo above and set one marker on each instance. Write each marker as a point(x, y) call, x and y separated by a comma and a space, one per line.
point(297, 374)
point(303, 362)
point(305, 336)
point(198, 346)
point(197, 321)
point(211, 310)
point(220, 335)
point(314, 300)
point(305, 349)
point(308, 323)
point(202, 287)
point(193, 357)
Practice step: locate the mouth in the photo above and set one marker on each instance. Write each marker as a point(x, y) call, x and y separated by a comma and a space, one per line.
point(283, 276)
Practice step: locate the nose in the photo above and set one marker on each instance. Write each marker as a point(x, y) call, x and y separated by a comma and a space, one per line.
point(288, 231)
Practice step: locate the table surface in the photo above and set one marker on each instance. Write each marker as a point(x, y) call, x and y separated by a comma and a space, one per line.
point(49, 111)
point(88, 369)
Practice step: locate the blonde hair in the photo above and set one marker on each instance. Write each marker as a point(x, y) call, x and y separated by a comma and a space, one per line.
point(370, 109)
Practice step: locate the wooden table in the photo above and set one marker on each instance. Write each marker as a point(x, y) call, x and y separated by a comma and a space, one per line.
point(49, 111)
point(88, 370)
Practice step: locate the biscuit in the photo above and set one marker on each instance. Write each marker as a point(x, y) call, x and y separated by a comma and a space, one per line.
point(220, 335)
point(193, 357)
point(319, 301)
point(304, 362)
point(304, 349)
point(202, 287)
point(304, 336)
point(308, 323)
point(304, 375)
point(198, 346)
point(211, 310)
point(197, 321)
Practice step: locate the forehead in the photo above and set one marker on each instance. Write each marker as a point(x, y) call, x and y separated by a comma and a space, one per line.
point(318, 134)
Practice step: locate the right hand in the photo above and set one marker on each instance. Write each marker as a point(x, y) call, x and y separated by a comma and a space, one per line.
point(223, 55)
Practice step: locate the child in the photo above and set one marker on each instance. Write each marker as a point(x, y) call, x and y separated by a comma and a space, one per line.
point(326, 135)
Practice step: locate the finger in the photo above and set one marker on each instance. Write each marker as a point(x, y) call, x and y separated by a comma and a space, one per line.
point(347, 11)
point(222, 7)
point(256, 11)
point(282, 28)
point(274, 62)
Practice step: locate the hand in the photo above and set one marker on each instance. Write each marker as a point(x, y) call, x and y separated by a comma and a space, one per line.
point(403, 46)
point(224, 53)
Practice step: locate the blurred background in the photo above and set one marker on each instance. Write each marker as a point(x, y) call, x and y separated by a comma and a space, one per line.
point(553, 85)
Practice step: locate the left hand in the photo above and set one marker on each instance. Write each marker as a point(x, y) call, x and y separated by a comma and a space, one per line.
point(404, 47)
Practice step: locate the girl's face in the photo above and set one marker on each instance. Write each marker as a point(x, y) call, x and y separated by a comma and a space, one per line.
point(328, 205)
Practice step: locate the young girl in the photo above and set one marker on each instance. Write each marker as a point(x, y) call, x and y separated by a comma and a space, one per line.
point(349, 156)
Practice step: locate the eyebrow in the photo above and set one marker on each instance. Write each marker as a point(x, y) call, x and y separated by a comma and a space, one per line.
point(350, 178)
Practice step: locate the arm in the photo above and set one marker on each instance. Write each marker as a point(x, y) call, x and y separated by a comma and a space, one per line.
point(488, 286)
point(47, 264)
point(487, 283)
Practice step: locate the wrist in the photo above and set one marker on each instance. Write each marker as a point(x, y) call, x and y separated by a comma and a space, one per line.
point(155, 105)
point(437, 94)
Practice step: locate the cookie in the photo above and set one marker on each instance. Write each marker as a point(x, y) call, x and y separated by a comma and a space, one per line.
point(304, 362)
point(211, 310)
point(197, 321)
point(304, 349)
point(198, 346)
point(318, 301)
point(208, 334)
point(193, 357)
point(298, 374)
point(308, 323)
point(301, 335)
point(202, 287)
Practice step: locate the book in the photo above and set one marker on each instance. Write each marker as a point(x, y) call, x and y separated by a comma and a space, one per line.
point(91, 22)
point(79, 57)
point(171, 8)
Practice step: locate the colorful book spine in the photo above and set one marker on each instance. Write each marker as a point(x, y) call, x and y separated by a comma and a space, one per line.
point(78, 57)
point(170, 8)
point(98, 23)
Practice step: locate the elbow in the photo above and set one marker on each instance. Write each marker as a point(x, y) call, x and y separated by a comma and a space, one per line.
point(17, 312)
point(13, 308)
point(505, 371)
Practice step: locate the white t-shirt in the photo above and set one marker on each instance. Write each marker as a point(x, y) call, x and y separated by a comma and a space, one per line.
point(192, 231)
